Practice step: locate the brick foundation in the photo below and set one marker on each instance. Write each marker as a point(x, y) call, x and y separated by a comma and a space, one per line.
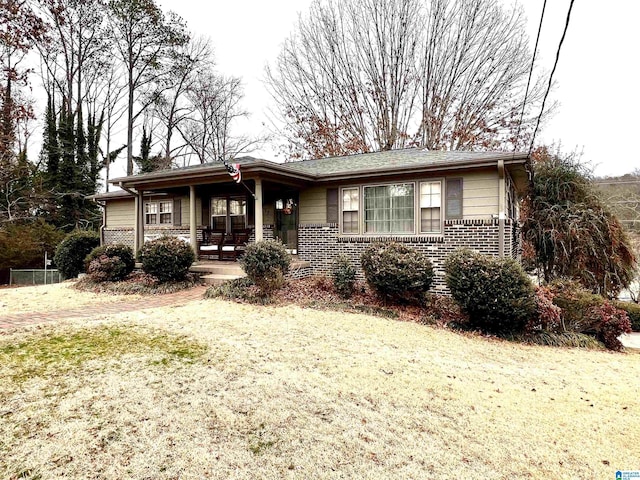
point(320, 244)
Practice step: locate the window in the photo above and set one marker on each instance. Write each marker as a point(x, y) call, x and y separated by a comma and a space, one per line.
point(158, 213)
point(219, 213)
point(235, 209)
point(389, 209)
point(430, 206)
point(238, 213)
point(454, 198)
point(350, 205)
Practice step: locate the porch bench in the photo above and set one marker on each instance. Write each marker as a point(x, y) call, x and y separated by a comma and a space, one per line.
point(234, 246)
point(211, 243)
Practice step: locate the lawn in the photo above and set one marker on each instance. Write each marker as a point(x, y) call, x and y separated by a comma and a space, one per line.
point(215, 389)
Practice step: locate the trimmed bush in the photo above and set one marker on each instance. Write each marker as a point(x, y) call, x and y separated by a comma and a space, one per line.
point(344, 276)
point(397, 272)
point(611, 322)
point(585, 312)
point(72, 251)
point(119, 263)
point(576, 302)
point(167, 258)
point(495, 292)
point(266, 263)
point(633, 312)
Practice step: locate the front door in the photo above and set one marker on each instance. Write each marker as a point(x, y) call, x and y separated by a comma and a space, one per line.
point(286, 227)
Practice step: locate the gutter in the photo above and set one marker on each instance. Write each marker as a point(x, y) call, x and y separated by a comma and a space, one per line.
point(501, 207)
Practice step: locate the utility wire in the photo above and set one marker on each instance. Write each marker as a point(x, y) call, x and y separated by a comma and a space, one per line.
point(533, 59)
point(564, 33)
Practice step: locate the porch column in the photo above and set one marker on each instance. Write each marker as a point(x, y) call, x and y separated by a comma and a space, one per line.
point(258, 209)
point(138, 228)
point(502, 194)
point(193, 234)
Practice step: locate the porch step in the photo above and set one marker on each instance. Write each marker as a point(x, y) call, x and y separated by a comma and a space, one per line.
point(217, 268)
point(218, 278)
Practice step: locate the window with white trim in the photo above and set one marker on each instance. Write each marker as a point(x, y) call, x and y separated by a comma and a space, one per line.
point(389, 209)
point(430, 207)
point(350, 207)
point(158, 213)
point(238, 213)
point(219, 213)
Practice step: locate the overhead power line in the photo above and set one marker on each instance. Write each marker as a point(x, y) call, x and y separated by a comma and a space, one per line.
point(533, 60)
point(555, 65)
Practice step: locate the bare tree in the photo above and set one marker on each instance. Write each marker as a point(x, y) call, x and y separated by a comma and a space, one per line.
point(145, 39)
point(362, 75)
point(170, 103)
point(216, 104)
point(75, 49)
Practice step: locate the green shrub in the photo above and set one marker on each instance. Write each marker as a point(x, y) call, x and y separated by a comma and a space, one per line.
point(118, 264)
point(23, 245)
point(585, 312)
point(495, 292)
point(633, 312)
point(397, 272)
point(72, 251)
point(266, 264)
point(167, 258)
point(344, 276)
point(576, 302)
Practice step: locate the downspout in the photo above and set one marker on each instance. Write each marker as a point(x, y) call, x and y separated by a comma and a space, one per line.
point(502, 190)
point(104, 222)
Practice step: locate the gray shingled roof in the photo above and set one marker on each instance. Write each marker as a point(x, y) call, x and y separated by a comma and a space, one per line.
point(388, 162)
point(395, 160)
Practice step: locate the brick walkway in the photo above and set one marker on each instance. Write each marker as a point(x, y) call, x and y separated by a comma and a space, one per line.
point(88, 311)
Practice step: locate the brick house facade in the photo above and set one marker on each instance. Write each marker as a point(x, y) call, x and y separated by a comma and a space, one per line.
point(434, 202)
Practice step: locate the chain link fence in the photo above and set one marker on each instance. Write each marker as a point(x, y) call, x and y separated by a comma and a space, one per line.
point(34, 276)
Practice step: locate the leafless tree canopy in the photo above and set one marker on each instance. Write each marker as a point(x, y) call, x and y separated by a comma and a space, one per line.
point(215, 101)
point(366, 75)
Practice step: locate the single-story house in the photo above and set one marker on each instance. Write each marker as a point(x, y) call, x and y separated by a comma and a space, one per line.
point(433, 201)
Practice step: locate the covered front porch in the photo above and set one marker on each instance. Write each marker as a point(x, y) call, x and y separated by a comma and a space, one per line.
point(217, 216)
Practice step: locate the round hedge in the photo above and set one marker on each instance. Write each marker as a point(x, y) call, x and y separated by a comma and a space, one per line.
point(167, 258)
point(396, 271)
point(495, 293)
point(266, 263)
point(119, 262)
point(71, 252)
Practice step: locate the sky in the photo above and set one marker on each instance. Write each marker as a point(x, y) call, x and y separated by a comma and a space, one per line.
point(596, 78)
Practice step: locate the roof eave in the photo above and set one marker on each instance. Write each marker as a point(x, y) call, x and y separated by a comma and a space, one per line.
point(436, 167)
point(187, 177)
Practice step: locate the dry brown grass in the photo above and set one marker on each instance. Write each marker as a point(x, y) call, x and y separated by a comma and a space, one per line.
point(287, 392)
point(59, 296)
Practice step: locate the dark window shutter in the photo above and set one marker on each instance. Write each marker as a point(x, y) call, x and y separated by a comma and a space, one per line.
point(332, 205)
point(453, 208)
point(206, 220)
point(177, 212)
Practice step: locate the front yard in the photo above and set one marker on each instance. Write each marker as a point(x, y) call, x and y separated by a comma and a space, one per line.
point(216, 389)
